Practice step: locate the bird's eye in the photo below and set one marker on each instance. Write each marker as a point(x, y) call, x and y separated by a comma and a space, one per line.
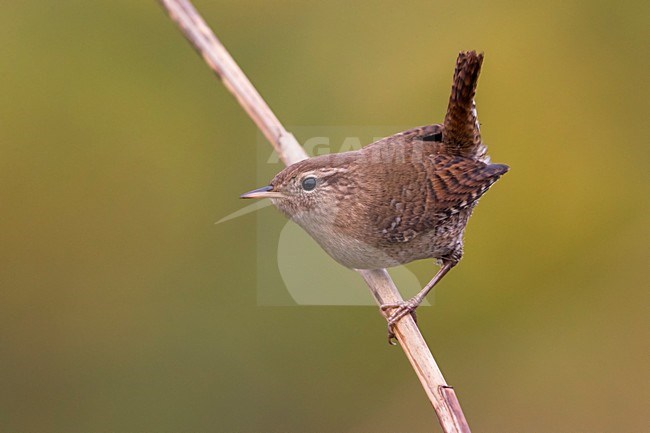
point(309, 183)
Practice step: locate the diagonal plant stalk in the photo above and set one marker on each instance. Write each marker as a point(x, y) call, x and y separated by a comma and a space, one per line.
point(441, 395)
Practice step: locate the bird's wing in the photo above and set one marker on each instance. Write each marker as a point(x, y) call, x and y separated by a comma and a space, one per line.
point(431, 193)
point(456, 183)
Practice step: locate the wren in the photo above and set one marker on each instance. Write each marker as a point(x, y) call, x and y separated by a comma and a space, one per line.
point(403, 198)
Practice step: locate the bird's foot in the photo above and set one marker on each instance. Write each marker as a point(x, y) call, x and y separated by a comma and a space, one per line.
point(401, 310)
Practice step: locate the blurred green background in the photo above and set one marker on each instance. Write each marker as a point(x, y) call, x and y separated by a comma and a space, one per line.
point(124, 308)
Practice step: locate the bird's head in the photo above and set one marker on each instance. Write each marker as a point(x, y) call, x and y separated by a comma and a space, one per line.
point(312, 186)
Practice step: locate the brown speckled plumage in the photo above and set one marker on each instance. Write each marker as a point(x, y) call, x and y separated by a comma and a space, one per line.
point(403, 198)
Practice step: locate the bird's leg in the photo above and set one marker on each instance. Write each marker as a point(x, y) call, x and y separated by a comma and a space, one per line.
point(404, 308)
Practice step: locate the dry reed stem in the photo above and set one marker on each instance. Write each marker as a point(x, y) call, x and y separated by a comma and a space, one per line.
point(383, 289)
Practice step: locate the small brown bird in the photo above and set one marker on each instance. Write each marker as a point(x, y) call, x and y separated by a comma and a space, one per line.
point(403, 198)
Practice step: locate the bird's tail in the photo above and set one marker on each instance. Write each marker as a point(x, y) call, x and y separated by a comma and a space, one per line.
point(462, 135)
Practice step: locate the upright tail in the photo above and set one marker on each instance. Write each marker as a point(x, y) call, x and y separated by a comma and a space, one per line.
point(461, 134)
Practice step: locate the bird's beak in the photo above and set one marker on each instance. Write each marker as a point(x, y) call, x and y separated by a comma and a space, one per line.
point(264, 192)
